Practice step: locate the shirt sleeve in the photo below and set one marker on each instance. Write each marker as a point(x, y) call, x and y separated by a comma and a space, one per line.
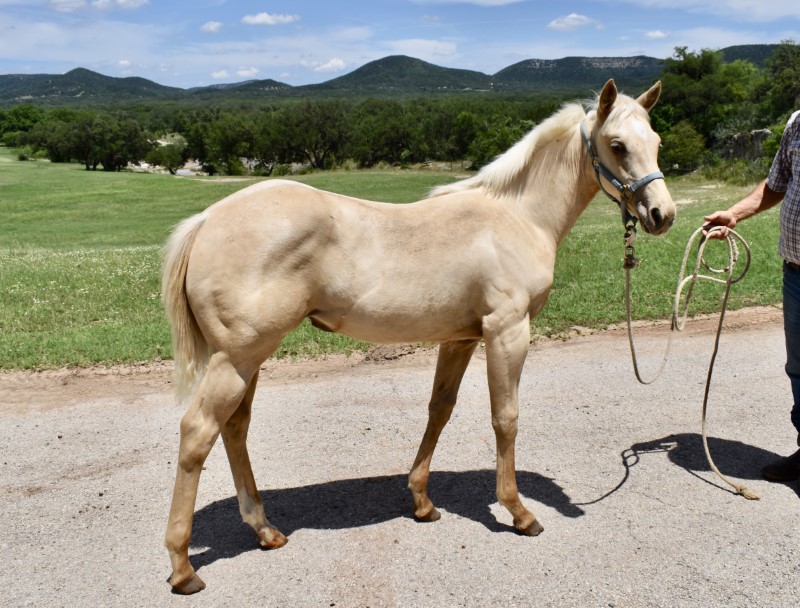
point(781, 171)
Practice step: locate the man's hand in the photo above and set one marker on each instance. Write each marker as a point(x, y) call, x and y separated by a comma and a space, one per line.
point(723, 220)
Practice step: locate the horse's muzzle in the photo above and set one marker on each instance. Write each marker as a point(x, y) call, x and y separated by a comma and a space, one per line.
point(656, 218)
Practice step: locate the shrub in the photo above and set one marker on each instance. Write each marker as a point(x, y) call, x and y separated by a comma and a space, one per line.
point(738, 172)
point(683, 149)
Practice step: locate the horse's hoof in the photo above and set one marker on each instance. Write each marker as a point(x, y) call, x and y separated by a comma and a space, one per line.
point(189, 586)
point(535, 529)
point(430, 516)
point(272, 539)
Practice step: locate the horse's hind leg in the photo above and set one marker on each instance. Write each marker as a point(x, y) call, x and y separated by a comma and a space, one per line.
point(507, 343)
point(234, 436)
point(453, 360)
point(218, 397)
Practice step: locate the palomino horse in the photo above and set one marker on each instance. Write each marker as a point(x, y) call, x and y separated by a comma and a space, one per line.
point(472, 262)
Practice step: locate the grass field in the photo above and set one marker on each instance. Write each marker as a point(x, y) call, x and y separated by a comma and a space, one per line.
point(80, 259)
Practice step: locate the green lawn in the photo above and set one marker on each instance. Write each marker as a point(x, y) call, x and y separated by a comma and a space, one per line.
point(80, 259)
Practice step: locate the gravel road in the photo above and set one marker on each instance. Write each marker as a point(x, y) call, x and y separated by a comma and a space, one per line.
point(614, 470)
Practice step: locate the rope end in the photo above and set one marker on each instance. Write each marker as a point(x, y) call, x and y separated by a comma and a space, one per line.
point(747, 493)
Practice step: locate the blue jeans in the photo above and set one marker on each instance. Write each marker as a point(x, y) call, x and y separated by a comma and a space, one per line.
point(791, 327)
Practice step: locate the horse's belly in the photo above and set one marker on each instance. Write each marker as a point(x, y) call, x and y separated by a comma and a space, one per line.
point(397, 326)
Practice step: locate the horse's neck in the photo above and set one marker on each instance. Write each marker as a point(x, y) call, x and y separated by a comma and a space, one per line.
point(559, 187)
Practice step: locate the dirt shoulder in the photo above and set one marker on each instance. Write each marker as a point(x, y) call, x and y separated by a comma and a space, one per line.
point(53, 388)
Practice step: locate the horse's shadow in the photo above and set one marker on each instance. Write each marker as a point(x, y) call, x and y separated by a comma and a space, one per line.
point(354, 503)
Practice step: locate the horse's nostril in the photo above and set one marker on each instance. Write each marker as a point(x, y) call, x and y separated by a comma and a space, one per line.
point(656, 215)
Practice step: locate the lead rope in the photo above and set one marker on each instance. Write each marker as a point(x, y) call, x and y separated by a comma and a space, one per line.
point(679, 316)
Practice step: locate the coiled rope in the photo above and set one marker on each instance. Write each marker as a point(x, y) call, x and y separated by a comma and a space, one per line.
point(680, 314)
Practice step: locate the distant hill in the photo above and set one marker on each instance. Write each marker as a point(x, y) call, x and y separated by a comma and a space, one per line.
point(80, 86)
point(757, 54)
point(390, 76)
point(401, 74)
point(578, 73)
point(238, 90)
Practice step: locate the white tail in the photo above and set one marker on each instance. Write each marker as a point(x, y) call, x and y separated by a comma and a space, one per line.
point(190, 349)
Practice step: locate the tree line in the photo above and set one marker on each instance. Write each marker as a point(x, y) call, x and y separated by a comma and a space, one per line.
point(706, 104)
point(319, 134)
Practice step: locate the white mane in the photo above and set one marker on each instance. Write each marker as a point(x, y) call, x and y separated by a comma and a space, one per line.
point(502, 173)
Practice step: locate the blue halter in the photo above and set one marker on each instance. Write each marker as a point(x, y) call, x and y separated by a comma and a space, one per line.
point(626, 191)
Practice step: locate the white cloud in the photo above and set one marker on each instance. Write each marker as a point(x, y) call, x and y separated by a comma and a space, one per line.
point(211, 27)
point(573, 21)
point(131, 3)
point(247, 72)
point(78, 42)
point(67, 6)
point(334, 65)
point(219, 74)
point(70, 6)
point(123, 64)
point(268, 19)
point(655, 35)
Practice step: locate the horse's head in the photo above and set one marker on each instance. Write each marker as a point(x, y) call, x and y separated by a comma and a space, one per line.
point(624, 151)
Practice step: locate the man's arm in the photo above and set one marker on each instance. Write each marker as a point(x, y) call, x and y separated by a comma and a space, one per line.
point(760, 199)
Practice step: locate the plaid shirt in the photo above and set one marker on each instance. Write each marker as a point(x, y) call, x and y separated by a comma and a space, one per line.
point(784, 176)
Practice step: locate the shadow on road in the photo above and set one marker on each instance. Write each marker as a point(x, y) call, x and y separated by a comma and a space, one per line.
point(354, 503)
point(733, 458)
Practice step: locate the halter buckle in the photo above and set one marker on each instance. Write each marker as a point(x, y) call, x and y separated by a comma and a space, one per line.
point(630, 260)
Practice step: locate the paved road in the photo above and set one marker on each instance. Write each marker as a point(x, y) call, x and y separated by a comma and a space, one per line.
point(614, 470)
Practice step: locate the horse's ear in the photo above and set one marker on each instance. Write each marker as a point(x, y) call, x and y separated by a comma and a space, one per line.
point(607, 98)
point(649, 98)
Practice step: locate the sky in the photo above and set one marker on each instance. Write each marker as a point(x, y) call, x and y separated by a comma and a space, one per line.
point(188, 43)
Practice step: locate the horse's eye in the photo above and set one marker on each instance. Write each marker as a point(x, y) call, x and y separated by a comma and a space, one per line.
point(617, 147)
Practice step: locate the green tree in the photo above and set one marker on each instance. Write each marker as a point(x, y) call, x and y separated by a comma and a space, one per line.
point(382, 131)
point(495, 136)
point(718, 100)
point(124, 142)
point(170, 156)
point(270, 145)
point(55, 137)
point(690, 91)
point(318, 131)
point(21, 118)
point(783, 78)
point(230, 140)
point(683, 149)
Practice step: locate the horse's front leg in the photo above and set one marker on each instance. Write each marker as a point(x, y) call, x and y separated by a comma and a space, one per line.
point(453, 360)
point(507, 339)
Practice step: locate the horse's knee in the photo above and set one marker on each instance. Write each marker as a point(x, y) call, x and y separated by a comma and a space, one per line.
point(505, 425)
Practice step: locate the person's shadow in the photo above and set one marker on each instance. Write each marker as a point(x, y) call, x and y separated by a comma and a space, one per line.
point(732, 458)
point(354, 503)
